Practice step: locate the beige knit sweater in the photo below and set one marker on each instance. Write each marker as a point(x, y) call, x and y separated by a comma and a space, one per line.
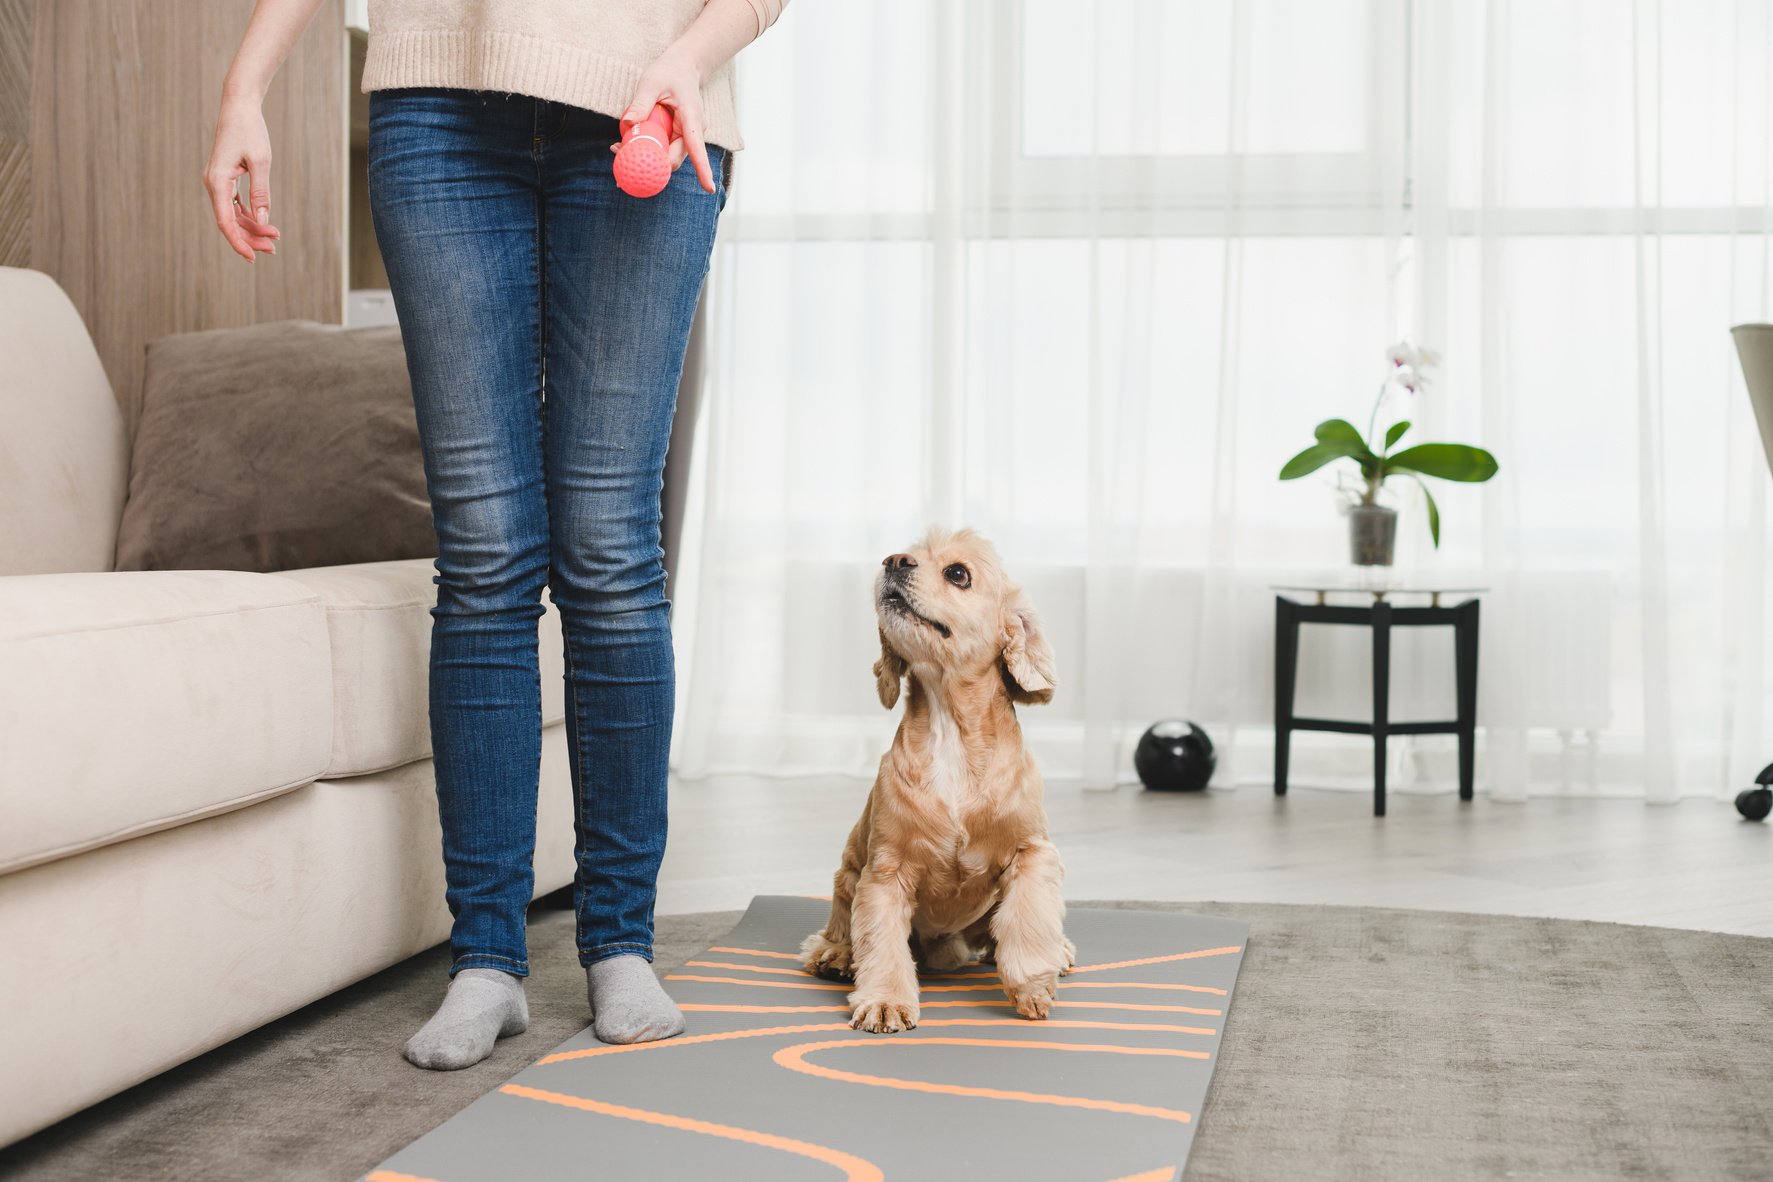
point(585, 53)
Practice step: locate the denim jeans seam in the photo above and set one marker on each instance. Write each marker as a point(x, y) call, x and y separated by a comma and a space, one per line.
point(615, 948)
point(467, 956)
point(578, 758)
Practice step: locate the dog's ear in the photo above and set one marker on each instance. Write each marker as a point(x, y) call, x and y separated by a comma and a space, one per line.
point(1027, 656)
point(889, 671)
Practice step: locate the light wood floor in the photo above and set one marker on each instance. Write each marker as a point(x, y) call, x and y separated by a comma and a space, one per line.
point(1689, 865)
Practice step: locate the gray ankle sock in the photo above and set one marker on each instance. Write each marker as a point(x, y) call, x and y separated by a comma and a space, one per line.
point(627, 1002)
point(481, 1007)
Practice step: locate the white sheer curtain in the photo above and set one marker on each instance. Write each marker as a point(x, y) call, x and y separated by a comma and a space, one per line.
point(1084, 276)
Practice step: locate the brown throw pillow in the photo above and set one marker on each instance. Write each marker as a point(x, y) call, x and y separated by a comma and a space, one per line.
point(276, 447)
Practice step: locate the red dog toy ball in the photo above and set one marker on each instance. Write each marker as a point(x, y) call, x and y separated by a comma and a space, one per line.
point(643, 162)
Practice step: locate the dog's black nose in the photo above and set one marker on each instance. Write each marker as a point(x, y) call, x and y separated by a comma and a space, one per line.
point(899, 562)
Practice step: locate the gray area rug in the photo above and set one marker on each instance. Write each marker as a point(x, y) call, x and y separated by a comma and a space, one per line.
point(1364, 1044)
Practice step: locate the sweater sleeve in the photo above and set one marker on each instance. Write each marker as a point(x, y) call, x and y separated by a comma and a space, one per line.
point(767, 11)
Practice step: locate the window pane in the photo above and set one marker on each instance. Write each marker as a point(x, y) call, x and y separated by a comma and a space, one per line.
point(1583, 116)
point(1137, 76)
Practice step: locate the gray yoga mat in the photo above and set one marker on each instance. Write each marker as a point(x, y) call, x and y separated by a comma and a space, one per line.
point(769, 1081)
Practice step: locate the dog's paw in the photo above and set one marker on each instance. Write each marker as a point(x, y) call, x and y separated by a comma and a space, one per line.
point(1070, 954)
point(824, 958)
point(946, 953)
point(1034, 999)
point(884, 1017)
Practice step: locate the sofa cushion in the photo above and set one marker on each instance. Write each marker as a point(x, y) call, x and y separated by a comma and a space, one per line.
point(379, 617)
point(139, 701)
point(63, 456)
point(275, 447)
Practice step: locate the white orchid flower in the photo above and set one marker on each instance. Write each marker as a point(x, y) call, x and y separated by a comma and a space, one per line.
point(1405, 355)
point(1411, 365)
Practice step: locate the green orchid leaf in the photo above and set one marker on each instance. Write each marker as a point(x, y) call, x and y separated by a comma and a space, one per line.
point(1434, 511)
point(1336, 439)
point(1396, 433)
point(1310, 460)
point(1445, 461)
point(1343, 434)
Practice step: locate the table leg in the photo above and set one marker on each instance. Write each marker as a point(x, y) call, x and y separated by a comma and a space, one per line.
point(1286, 667)
point(1381, 699)
point(1465, 645)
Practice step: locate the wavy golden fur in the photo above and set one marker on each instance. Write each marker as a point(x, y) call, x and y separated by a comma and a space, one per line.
point(950, 861)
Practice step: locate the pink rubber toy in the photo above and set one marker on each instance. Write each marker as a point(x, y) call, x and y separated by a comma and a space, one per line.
point(643, 162)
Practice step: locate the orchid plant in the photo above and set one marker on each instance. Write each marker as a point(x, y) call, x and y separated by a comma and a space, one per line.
point(1411, 372)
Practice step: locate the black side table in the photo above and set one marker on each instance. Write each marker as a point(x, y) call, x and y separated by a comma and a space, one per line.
point(1381, 616)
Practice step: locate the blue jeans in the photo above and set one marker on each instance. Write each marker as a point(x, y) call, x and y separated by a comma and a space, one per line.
point(545, 315)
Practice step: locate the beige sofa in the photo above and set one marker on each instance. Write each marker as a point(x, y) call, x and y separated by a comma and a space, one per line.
point(216, 797)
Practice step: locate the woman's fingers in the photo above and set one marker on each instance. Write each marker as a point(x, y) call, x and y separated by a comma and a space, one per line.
point(222, 201)
point(646, 97)
point(259, 187)
point(688, 120)
point(688, 145)
point(699, 153)
point(254, 225)
point(261, 238)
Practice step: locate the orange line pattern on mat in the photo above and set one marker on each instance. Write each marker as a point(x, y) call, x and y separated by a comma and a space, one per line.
point(814, 983)
point(809, 983)
point(1064, 986)
point(937, 1005)
point(682, 1040)
point(690, 1040)
point(1127, 964)
point(759, 952)
point(759, 968)
point(714, 1009)
point(744, 968)
point(794, 1058)
point(855, 1169)
point(1084, 968)
point(392, 1176)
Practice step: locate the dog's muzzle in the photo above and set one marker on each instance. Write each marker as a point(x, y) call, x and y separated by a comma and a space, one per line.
point(894, 599)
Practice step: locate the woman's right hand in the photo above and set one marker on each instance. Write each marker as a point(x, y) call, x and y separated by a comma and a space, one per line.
point(242, 145)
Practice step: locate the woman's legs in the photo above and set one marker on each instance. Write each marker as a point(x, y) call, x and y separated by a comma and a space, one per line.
point(517, 266)
point(621, 278)
point(454, 196)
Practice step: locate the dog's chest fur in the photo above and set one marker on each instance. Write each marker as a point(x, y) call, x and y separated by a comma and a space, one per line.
point(945, 777)
point(960, 880)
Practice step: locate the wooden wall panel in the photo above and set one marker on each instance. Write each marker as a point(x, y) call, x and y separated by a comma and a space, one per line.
point(17, 24)
point(124, 100)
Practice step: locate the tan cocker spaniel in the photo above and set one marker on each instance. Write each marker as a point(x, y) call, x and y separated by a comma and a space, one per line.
point(950, 862)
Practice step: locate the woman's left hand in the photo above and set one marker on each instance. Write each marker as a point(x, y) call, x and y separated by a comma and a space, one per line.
point(675, 81)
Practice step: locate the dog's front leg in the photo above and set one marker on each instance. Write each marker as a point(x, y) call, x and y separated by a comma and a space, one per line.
point(885, 997)
point(827, 951)
point(1028, 925)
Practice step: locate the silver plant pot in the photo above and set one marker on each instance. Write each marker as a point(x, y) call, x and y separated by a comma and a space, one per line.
point(1372, 534)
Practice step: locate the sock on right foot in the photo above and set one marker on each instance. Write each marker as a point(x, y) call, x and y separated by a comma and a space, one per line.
point(481, 1007)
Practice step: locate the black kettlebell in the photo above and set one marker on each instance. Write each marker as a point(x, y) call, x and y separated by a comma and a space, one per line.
point(1174, 756)
point(1757, 803)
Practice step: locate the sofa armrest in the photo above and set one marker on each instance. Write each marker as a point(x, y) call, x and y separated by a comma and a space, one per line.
point(137, 701)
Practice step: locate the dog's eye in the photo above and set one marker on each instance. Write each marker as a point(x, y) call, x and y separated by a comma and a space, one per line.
point(958, 575)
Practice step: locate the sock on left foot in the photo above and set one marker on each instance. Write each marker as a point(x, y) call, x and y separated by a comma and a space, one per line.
point(627, 1002)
